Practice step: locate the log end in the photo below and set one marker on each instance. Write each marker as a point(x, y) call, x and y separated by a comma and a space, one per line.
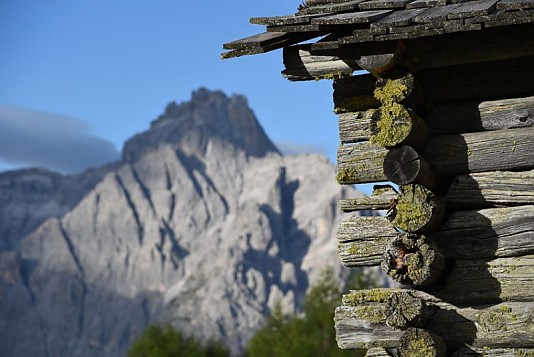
point(413, 260)
point(418, 210)
point(404, 310)
point(416, 342)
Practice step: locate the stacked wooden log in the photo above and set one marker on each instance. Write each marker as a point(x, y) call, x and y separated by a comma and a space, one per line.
point(458, 233)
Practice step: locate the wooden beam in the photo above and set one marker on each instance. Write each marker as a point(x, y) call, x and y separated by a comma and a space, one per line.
point(488, 281)
point(482, 234)
point(450, 155)
point(470, 47)
point(361, 322)
point(509, 149)
point(474, 115)
point(500, 79)
point(360, 163)
point(264, 42)
point(361, 240)
point(452, 118)
point(489, 189)
point(301, 65)
point(479, 190)
point(354, 94)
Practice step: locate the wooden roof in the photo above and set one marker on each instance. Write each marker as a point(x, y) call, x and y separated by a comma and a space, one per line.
point(339, 23)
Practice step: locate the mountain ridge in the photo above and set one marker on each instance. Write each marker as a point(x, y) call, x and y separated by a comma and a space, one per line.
point(205, 231)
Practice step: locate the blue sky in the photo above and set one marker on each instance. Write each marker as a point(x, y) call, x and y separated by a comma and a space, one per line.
point(112, 66)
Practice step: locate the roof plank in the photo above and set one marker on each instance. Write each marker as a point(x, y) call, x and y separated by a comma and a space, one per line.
point(281, 20)
point(384, 4)
point(426, 3)
point(397, 18)
point(515, 4)
point(330, 8)
point(258, 40)
point(472, 9)
point(351, 18)
point(435, 14)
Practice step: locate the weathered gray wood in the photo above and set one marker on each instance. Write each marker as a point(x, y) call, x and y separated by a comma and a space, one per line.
point(453, 118)
point(383, 197)
point(384, 4)
point(478, 80)
point(507, 149)
point(492, 352)
point(472, 8)
point(360, 163)
point(413, 260)
point(264, 42)
point(377, 352)
point(351, 18)
point(450, 155)
point(493, 232)
point(331, 7)
point(515, 4)
point(479, 190)
point(355, 126)
point(404, 309)
point(487, 233)
point(473, 116)
point(489, 281)
point(487, 189)
point(354, 94)
point(361, 322)
point(361, 240)
point(301, 65)
point(404, 165)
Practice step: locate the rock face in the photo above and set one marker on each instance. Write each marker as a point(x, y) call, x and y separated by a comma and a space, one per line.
point(203, 224)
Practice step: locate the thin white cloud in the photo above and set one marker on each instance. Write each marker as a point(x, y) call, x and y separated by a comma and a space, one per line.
point(33, 138)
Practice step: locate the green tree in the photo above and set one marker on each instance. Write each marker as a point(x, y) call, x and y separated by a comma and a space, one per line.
point(164, 341)
point(312, 333)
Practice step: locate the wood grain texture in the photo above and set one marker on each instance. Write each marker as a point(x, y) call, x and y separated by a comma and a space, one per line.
point(361, 322)
point(452, 118)
point(475, 115)
point(474, 191)
point(489, 189)
point(361, 240)
point(360, 163)
point(301, 65)
point(507, 149)
point(489, 281)
point(482, 234)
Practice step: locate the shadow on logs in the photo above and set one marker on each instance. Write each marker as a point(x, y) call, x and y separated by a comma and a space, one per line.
point(471, 281)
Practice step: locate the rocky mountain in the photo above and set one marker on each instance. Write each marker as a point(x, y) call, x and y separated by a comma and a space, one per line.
point(202, 224)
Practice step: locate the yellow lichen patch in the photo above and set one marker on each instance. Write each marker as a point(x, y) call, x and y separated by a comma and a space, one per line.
point(419, 347)
point(391, 91)
point(393, 127)
point(374, 314)
point(355, 104)
point(358, 297)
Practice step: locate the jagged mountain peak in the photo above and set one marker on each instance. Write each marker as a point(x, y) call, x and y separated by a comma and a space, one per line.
point(209, 117)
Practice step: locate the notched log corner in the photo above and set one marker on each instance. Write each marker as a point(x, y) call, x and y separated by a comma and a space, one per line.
point(413, 260)
point(403, 165)
point(418, 210)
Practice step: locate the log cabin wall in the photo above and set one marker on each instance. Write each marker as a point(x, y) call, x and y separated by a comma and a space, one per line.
point(445, 111)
